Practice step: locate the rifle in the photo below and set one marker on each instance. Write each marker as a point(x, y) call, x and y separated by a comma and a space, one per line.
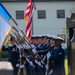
point(48, 60)
point(29, 50)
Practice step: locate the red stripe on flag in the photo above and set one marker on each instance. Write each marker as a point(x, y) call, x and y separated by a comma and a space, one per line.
point(29, 29)
point(30, 34)
point(28, 25)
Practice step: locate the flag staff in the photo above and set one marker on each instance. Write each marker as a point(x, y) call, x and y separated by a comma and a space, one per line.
point(22, 32)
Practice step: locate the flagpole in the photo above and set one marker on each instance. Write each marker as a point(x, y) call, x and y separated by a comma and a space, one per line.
point(22, 32)
point(32, 26)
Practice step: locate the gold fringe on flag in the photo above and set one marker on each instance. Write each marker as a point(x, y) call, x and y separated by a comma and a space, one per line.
point(7, 34)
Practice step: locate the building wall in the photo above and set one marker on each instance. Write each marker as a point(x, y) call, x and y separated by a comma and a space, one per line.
point(51, 25)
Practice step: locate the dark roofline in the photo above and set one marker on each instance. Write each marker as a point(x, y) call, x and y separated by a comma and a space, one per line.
point(35, 0)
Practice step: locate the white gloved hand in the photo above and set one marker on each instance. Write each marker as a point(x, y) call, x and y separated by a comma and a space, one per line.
point(34, 51)
point(28, 47)
point(36, 61)
point(33, 46)
point(39, 63)
point(20, 47)
point(48, 55)
point(46, 67)
point(17, 65)
point(22, 66)
point(24, 46)
point(31, 63)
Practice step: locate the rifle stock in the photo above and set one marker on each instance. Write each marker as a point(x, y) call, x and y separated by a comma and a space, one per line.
point(48, 60)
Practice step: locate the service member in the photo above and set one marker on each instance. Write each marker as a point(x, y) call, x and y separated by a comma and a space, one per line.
point(57, 57)
point(13, 54)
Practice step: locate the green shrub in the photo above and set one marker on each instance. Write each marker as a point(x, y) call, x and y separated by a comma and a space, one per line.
point(4, 54)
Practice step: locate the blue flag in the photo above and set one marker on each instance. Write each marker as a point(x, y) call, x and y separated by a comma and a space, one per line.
point(4, 12)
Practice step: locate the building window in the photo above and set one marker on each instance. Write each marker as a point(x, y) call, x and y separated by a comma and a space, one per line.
point(41, 14)
point(19, 14)
point(60, 13)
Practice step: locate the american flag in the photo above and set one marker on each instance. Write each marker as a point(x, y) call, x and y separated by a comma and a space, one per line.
point(28, 18)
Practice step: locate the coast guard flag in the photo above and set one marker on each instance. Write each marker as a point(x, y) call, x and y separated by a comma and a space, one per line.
point(5, 30)
point(4, 12)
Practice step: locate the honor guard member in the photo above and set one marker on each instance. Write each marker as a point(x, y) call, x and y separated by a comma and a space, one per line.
point(13, 54)
point(57, 57)
point(29, 63)
point(40, 47)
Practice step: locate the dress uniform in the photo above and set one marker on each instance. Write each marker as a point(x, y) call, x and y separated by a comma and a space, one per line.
point(57, 57)
point(41, 48)
point(30, 67)
point(29, 63)
point(13, 54)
